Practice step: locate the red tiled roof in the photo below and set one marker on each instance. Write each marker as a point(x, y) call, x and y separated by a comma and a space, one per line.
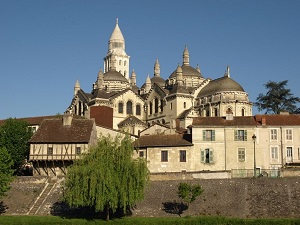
point(279, 119)
point(53, 131)
point(221, 121)
point(162, 140)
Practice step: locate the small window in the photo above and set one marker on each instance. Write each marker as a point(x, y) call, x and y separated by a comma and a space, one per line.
point(208, 135)
point(78, 150)
point(240, 135)
point(141, 154)
point(120, 62)
point(216, 112)
point(182, 155)
point(120, 107)
point(289, 134)
point(207, 156)
point(241, 154)
point(273, 134)
point(125, 63)
point(274, 153)
point(50, 151)
point(184, 105)
point(138, 110)
point(164, 156)
point(171, 105)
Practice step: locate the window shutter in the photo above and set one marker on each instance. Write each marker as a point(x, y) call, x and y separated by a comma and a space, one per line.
point(211, 156)
point(212, 135)
point(202, 156)
point(204, 135)
point(236, 138)
point(245, 138)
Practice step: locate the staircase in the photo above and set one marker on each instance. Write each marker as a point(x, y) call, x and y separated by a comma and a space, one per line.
point(41, 198)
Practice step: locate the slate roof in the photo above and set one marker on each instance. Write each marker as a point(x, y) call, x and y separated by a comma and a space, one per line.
point(53, 131)
point(220, 85)
point(113, 75)
point(221, 121)
point(131, 120)
point(103, 94)
point(187, 71)
point(176, 89)
point(279, 119)
point(163, 140)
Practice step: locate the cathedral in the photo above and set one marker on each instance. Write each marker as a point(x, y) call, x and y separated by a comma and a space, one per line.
point(117, 102)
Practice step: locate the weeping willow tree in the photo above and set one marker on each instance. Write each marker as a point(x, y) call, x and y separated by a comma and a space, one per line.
point(107, 178)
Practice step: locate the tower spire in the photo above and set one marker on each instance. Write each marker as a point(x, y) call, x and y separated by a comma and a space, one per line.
point(156, 68)
point(186, 57)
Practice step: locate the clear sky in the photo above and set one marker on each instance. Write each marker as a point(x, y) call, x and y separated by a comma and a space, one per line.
point(46, 45)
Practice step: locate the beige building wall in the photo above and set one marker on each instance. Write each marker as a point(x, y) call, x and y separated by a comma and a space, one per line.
point(128, 96)
point(156, 165)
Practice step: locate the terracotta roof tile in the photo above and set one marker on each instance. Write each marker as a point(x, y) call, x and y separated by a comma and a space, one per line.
point(279, 119)
point(221, 121)
point(53, 131)
point(161, 140)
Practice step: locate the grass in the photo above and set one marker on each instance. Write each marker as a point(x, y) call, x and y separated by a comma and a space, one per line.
point(52, 220)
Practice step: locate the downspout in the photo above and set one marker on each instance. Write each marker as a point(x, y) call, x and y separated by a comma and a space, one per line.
point(225, 141)
point(281, 147)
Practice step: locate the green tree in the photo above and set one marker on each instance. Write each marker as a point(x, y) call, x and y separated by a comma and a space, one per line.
point(189, 192)
point(278, 98)
point(6, 172)
point(14, 136)
point(107, 178)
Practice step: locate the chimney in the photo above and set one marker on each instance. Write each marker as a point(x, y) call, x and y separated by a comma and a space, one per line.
point(264, 121)
point(229, 114)
point(67, 119)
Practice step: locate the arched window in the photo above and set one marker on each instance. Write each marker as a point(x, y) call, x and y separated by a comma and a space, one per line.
point(171, 105)
point(125, 63)
point(207, 112)
point(243, 112)
point(150, 108)
point(163, 121)
point(138, 109)
point(129, 107)
point(120, 62)
point(184, 105)
point(161, 105)
point(120, 107)
point(155, 105)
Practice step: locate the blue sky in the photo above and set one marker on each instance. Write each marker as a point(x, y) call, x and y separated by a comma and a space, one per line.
point(46, 45)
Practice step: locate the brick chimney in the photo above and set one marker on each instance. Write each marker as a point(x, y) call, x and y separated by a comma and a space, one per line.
point(263, 121)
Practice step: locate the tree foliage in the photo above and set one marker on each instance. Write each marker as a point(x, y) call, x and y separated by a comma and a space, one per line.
point(278, 98)
point(107, 178)
point(188, 192)
point(6, 172)
point(14, 136)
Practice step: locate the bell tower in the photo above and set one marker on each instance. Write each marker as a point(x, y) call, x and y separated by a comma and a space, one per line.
point(116, 50)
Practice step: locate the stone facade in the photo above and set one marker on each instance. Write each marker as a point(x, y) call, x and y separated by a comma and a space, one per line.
point(158, 100)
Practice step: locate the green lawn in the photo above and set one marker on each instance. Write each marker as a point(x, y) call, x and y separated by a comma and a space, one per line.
point(45, 220)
